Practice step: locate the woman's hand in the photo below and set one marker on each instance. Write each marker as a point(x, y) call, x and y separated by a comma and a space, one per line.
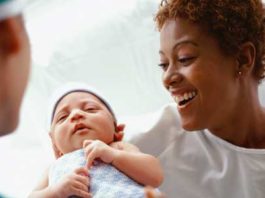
point(150, 192)
point(98, 149)
point(76, 183)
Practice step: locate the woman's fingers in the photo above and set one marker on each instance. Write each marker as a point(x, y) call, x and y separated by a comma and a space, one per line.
point(150, 192)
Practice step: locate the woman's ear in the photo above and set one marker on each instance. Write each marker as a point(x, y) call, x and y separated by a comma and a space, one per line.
point(56, 151)
point(118, 135)
point(246, 58)
point(10, 40)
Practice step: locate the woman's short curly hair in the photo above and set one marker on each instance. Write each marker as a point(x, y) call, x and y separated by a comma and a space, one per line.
point(231, 22)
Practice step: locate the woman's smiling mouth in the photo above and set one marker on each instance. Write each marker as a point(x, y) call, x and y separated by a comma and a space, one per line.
point(183, 99)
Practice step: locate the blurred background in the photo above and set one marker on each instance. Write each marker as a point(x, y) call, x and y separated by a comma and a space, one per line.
point(110, 44)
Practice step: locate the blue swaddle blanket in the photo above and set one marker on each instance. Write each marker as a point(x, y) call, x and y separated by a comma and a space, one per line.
point(105, 180)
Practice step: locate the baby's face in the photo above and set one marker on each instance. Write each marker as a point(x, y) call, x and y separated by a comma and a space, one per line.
point(81, 116)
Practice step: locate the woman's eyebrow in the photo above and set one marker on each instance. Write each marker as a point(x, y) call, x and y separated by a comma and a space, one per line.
point(177, 44)
point(185, 42)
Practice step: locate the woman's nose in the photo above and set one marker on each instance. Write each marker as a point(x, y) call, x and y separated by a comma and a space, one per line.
point(76, 114)
point(171, 76)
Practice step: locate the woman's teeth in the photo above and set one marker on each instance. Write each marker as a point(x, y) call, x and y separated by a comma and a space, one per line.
point(181, 99)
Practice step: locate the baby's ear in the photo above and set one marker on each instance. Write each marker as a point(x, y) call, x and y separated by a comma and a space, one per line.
point(56, 151)
point(119, 132)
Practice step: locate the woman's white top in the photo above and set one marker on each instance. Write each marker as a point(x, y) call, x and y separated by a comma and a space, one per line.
point(198, 164)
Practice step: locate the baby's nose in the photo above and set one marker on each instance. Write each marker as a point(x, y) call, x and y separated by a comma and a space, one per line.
point(76, 114)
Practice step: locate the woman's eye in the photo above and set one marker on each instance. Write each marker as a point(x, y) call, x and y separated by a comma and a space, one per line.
point(186, 60)
point(163, 66)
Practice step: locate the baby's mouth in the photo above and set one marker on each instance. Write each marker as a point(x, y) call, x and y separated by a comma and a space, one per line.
point(80, 127)
point(185, 98)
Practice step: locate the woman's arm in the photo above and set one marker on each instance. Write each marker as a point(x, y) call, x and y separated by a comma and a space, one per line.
point(143, 168)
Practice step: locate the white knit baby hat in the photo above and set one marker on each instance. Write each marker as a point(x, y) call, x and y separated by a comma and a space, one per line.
point(71, 87)
point(9, 8)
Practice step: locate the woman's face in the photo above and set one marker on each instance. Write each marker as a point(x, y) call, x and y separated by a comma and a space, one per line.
point(200, 78)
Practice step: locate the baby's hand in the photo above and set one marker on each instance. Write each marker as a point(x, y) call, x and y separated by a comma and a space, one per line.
point(98, 149)
point(125, 146)
point(75, 183)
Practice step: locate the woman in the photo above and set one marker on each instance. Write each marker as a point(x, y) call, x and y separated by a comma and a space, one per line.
point(212, 57)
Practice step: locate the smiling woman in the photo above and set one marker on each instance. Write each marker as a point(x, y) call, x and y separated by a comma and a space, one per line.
point(194, 63)
point(213, 75)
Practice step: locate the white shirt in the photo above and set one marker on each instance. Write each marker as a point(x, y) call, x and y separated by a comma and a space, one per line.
point(198, 164)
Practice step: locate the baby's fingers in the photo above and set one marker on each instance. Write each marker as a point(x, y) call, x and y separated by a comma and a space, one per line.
point(90, 158)
point(87, 142)
point(82, 171)
point(81, 193)
point(81, 184)
point(84, 180)
point(88, 149)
